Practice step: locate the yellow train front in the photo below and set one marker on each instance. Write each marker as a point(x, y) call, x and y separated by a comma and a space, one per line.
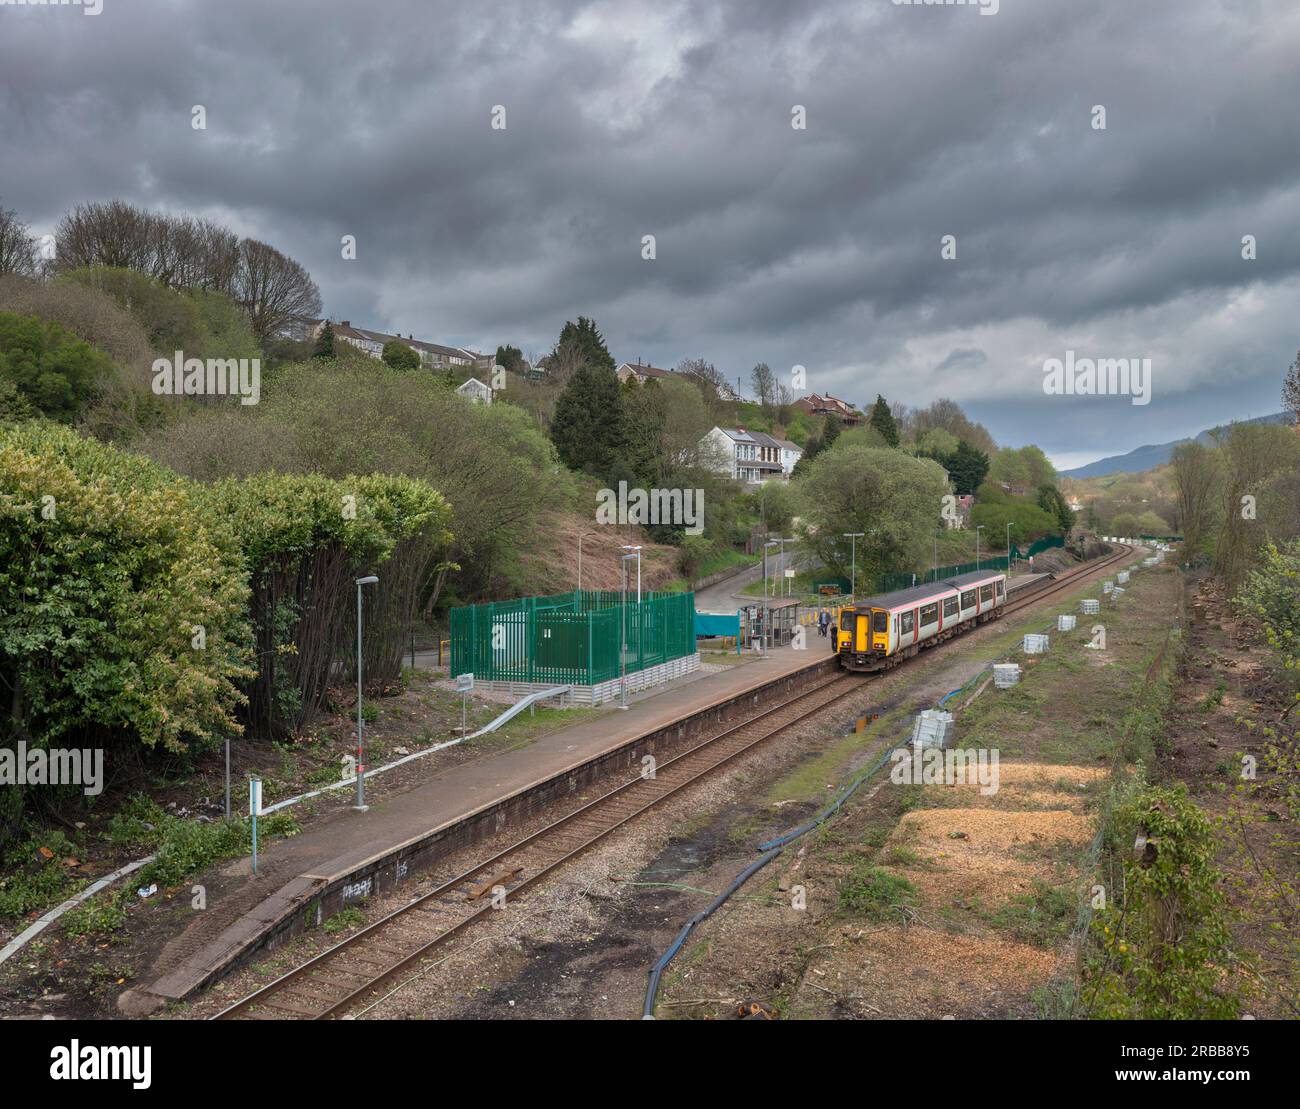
point(882, 631)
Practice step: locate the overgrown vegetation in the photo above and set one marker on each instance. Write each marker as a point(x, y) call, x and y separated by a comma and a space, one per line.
point(1161, 947)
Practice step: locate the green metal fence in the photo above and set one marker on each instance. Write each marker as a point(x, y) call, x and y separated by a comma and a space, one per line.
point(570, 638)
point(887, 583)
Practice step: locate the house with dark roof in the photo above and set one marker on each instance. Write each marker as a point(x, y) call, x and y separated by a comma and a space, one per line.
point(640, 371)
point(817, 405)
point(748, 456)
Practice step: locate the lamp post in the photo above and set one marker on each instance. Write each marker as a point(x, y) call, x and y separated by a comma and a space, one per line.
point(637, 552)
point(584, 535)
point(361, 805)
point(622, 654)
point(767, 611)
point(936, 554)
point(1008, 548)
point(979, 529)
point(853, 537)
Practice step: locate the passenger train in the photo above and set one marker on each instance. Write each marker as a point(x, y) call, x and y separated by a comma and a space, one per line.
point(881, 632)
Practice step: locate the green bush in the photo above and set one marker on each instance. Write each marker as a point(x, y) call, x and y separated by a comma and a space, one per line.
point(1162, 949)
point(96, 916)
point(107, 567)
point(56, 373)
point(187, 846)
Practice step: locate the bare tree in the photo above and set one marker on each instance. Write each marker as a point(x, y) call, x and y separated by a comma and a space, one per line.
point(17, 245)
point(1197, 473)
point(273, 288)
point(111, 234)
point(764, 382)
point(1291, 389)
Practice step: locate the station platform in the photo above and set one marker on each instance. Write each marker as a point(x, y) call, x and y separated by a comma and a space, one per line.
point(344, 842)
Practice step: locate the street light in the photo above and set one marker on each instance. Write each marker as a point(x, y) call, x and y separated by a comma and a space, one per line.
point(767, 612)
point(936, 554)
point(637, 552)
point(853, 537)
point(622, 610)
point(979, 529)
point(361, 805)
point(584, 535)
point(1008, 548)
point(780, 591)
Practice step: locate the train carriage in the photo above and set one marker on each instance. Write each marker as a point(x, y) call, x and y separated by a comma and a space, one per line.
point(880, 632)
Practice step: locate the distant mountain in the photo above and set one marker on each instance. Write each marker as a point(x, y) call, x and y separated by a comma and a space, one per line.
point(1148, 458)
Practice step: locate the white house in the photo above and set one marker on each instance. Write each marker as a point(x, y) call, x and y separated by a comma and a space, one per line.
point(750, 457)
point(476, 391)
point(790, 454)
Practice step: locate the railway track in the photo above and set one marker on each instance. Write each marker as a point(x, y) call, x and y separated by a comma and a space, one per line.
point(1066, 581)
point(353, 970)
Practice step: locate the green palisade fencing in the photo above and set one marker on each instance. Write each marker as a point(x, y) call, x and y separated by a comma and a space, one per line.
point(570, 638)
point(993, 560)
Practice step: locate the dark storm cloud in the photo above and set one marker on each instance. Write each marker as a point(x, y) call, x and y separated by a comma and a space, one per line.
point(819, 247)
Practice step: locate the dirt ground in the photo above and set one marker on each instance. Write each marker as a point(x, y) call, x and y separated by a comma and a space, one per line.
point(1228, 697)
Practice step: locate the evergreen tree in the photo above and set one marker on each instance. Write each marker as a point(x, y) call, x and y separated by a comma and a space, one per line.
point(882, 419)
point(967, 467)
point(325, 342)
point(1050, 499)
point(588, 426)
point(584, 342)
point(511, 359)
point(830, 432)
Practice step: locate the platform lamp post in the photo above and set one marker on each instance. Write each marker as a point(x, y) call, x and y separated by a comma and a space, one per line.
point(853, 537)
point(622, 614)
point(767, 609)
point(361, 805)
point(979, 529)
point(1008, 548)
point(936, 554)
point(637, 551)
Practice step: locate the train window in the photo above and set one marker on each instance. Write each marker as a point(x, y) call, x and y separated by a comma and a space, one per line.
point(1000, 589)
point(930, 614)
point(968, 599)
point(949, 607)
point(906, 625)
point(881, 620)
point(986, 593)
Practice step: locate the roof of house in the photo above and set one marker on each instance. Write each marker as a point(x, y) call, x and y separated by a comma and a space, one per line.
point(816, 400)
point(345, 329)
point(763, 439)
point(472, 381)
point(786, 445)
point(645, 371)
point(739, 434)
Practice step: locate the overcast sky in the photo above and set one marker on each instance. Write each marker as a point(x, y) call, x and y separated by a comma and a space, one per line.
point(819, 247)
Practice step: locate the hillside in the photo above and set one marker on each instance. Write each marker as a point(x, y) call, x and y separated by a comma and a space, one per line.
point(1149, 457)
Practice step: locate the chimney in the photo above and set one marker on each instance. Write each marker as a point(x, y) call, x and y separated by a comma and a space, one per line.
point(345, 323)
